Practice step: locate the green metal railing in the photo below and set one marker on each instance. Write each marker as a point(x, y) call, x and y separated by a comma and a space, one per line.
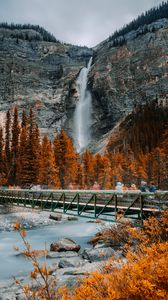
point(89, 203)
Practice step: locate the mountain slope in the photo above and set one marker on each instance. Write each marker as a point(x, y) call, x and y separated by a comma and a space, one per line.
point(38, 74)
point(124, 77)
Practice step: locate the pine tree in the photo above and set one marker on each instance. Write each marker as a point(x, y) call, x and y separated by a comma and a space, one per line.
point(24, 119)
point(48, 174)
point(102, 171)
point(3, 179)
point(106, 174)
point(164, 158)
point(22, 162)
point(14, 146)
point(88, 169)
point(65, 159)
point(79, 178)
point(28, 162)
point(32, 151)
point(8, 144)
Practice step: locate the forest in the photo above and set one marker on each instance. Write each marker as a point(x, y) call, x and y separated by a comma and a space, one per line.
point(24, 32)
point(28, 159)
point(141, 22)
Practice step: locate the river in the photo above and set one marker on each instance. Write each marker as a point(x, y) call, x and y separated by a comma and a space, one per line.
point(13, 264)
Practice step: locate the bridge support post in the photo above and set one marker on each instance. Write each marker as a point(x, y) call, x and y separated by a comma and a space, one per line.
point(63, 198)
point(52, 202)
point(77, 204)
point(41, 196)
point(115, 203)
point(95, 198)
point(141, 208)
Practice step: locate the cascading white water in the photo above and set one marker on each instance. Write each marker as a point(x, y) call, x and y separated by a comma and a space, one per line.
point(82, 118)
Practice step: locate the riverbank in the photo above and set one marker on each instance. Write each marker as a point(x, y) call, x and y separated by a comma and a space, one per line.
point(41, 232)
point(28, 218)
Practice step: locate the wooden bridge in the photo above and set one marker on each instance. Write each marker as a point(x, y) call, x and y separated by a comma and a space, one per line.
point(88, 203)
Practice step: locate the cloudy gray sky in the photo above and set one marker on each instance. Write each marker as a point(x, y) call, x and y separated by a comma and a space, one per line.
point(82, 22)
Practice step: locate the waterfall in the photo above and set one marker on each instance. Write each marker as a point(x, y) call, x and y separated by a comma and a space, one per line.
point(82, 117)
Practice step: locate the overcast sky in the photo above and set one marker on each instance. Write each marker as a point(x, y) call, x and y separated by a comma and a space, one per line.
point(82, 22)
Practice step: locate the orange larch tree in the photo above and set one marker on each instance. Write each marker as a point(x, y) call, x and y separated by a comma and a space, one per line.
point(65, 159)
point(88, 169)
point(102, 171)
point(48, 174)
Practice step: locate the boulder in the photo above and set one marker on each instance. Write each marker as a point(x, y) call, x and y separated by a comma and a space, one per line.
point(98, 254)
point(63, 263)
point(85, 269)
point(55, 217)
point(59, 255)
point(64, 245)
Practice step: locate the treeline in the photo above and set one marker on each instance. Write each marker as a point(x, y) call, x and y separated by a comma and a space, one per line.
point(143, 128)
point(141, 22)
point(24, 32)
point(142, 144)
point(26, 159)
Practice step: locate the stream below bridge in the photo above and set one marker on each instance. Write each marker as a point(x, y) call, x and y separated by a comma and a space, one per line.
point(39, 236)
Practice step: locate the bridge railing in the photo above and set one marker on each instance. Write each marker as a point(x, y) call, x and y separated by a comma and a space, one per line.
point(98, 203)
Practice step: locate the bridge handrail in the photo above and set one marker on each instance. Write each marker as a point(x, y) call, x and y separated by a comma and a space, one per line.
point(114, 192)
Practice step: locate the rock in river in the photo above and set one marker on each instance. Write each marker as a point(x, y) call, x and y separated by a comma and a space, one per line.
point(64, 245)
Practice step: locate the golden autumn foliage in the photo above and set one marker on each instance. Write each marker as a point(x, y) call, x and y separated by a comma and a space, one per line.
point(26, 158)
point(48, 174)
point(65, 159)
point(142, 275)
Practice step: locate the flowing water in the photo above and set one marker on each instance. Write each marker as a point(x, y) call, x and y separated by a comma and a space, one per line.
point(82, 118)
point(40, 238)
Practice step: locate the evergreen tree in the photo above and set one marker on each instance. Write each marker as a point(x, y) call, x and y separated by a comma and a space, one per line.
point(22, 163)
point(32, 151)
point(14, 146)
point(8, 144)
point(88, 169)
point(79, 178)
point(28, 170)
point(65, 159)
point(24, 119)
point(102, 171)
point(48, 174)
point(3, 179)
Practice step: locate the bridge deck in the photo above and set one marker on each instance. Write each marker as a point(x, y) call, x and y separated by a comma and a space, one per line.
point(94, 204)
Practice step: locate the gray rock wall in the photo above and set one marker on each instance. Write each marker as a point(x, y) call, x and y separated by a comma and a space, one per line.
point(39, 74)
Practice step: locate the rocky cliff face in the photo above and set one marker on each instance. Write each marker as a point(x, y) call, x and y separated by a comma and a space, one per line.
point(124, 77)
point(42, 75)
point(39, 74)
